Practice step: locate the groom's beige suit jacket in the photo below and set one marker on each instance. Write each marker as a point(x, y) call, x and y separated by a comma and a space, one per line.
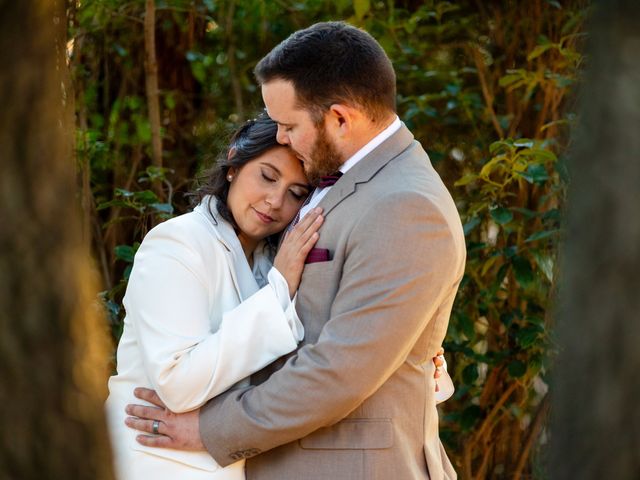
point(356, 401)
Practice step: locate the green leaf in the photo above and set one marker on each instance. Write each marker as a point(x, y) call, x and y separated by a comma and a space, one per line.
point(121, 192)
point(541, 235)
point(470, 225)
point(156, 173)
point(528, 336)
point(361, 8)
point(470, 417)
point(170, 101)
point(524, 143)
point(162, 207)
point(470, 374)
point(125, 252)
point(552, 215)
point(146, 196)
point(541, 155)
point(544, 262)
point(143, 130)
point(114, 203)
point(523, 272)
point(509, 79)
point(539, 50)
point(536, 173)
point(507, 318)
point(501, 215)
point(517, 369)
point(499, 146)
point(466, 179)
point(466, 325)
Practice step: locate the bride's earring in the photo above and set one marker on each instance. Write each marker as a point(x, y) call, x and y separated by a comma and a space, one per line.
point(229, 177)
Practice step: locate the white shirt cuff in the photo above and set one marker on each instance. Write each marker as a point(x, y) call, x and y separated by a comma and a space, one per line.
point(281, 289)
point(445, 385)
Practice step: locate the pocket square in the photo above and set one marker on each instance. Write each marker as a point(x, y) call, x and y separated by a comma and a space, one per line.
point(317, 255)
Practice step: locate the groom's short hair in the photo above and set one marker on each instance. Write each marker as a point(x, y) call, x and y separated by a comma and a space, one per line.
point(333, 62)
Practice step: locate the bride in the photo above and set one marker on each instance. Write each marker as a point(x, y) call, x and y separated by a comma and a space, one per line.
point(205, 308)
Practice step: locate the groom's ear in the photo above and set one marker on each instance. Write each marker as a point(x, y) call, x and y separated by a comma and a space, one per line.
point(340, 118)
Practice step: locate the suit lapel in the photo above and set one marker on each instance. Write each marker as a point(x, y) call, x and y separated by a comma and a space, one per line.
point(367, 168)
point(243, 280)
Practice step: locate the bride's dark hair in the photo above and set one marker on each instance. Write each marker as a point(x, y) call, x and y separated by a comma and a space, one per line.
point(251, 140)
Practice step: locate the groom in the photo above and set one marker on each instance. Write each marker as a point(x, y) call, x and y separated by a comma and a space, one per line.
point(356, 401)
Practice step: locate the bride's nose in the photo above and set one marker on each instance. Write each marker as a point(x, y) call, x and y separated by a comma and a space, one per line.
point(274, 199)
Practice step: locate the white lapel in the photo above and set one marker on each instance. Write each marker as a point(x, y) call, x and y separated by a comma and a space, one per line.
point(243, 279)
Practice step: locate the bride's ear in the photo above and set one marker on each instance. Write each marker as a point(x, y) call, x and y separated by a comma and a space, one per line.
point(232, 153)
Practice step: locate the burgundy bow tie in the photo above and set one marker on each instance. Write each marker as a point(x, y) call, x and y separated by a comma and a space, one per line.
point(329, 180)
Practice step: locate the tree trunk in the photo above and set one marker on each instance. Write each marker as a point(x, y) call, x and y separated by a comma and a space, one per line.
point(596, 414)
point(151, 81)
point(53, 347)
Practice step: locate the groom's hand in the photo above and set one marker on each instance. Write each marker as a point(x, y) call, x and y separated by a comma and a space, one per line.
point(173, 430)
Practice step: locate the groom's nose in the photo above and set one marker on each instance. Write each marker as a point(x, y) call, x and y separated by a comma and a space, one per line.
point(282, 137)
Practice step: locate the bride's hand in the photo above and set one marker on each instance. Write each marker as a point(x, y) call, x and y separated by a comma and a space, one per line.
point(296, 246)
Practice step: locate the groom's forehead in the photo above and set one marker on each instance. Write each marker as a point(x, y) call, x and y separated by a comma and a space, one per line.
point(280, 103)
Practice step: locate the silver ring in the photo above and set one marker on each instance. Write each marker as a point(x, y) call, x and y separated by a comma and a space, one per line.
point(156, 427)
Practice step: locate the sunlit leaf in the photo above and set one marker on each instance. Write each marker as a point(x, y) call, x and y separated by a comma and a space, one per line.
point(361, 8)
point(466, 179)
point(162, 207)
point(545, 263)
point(539, 50)
point(524, 143)
point(537, 173)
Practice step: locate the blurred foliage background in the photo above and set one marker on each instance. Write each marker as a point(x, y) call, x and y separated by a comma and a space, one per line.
point(487, 87)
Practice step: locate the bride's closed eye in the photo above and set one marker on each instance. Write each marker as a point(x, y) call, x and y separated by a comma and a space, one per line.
point(267, 177)
point(297, 196)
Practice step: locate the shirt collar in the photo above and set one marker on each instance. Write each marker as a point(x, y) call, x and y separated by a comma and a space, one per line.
point(373, 143)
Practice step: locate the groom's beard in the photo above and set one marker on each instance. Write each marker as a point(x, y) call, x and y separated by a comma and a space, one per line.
point(325, 158)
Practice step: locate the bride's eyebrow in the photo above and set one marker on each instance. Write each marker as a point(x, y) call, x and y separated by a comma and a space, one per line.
point(271, 166)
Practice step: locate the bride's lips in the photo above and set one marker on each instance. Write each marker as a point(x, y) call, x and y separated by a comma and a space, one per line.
point(263, 217)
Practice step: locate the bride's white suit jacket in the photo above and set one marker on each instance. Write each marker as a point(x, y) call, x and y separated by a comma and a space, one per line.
point(197, 323)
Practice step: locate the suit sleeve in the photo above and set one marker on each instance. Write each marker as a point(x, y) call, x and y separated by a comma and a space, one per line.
point(168, 302)
point(402, 260)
